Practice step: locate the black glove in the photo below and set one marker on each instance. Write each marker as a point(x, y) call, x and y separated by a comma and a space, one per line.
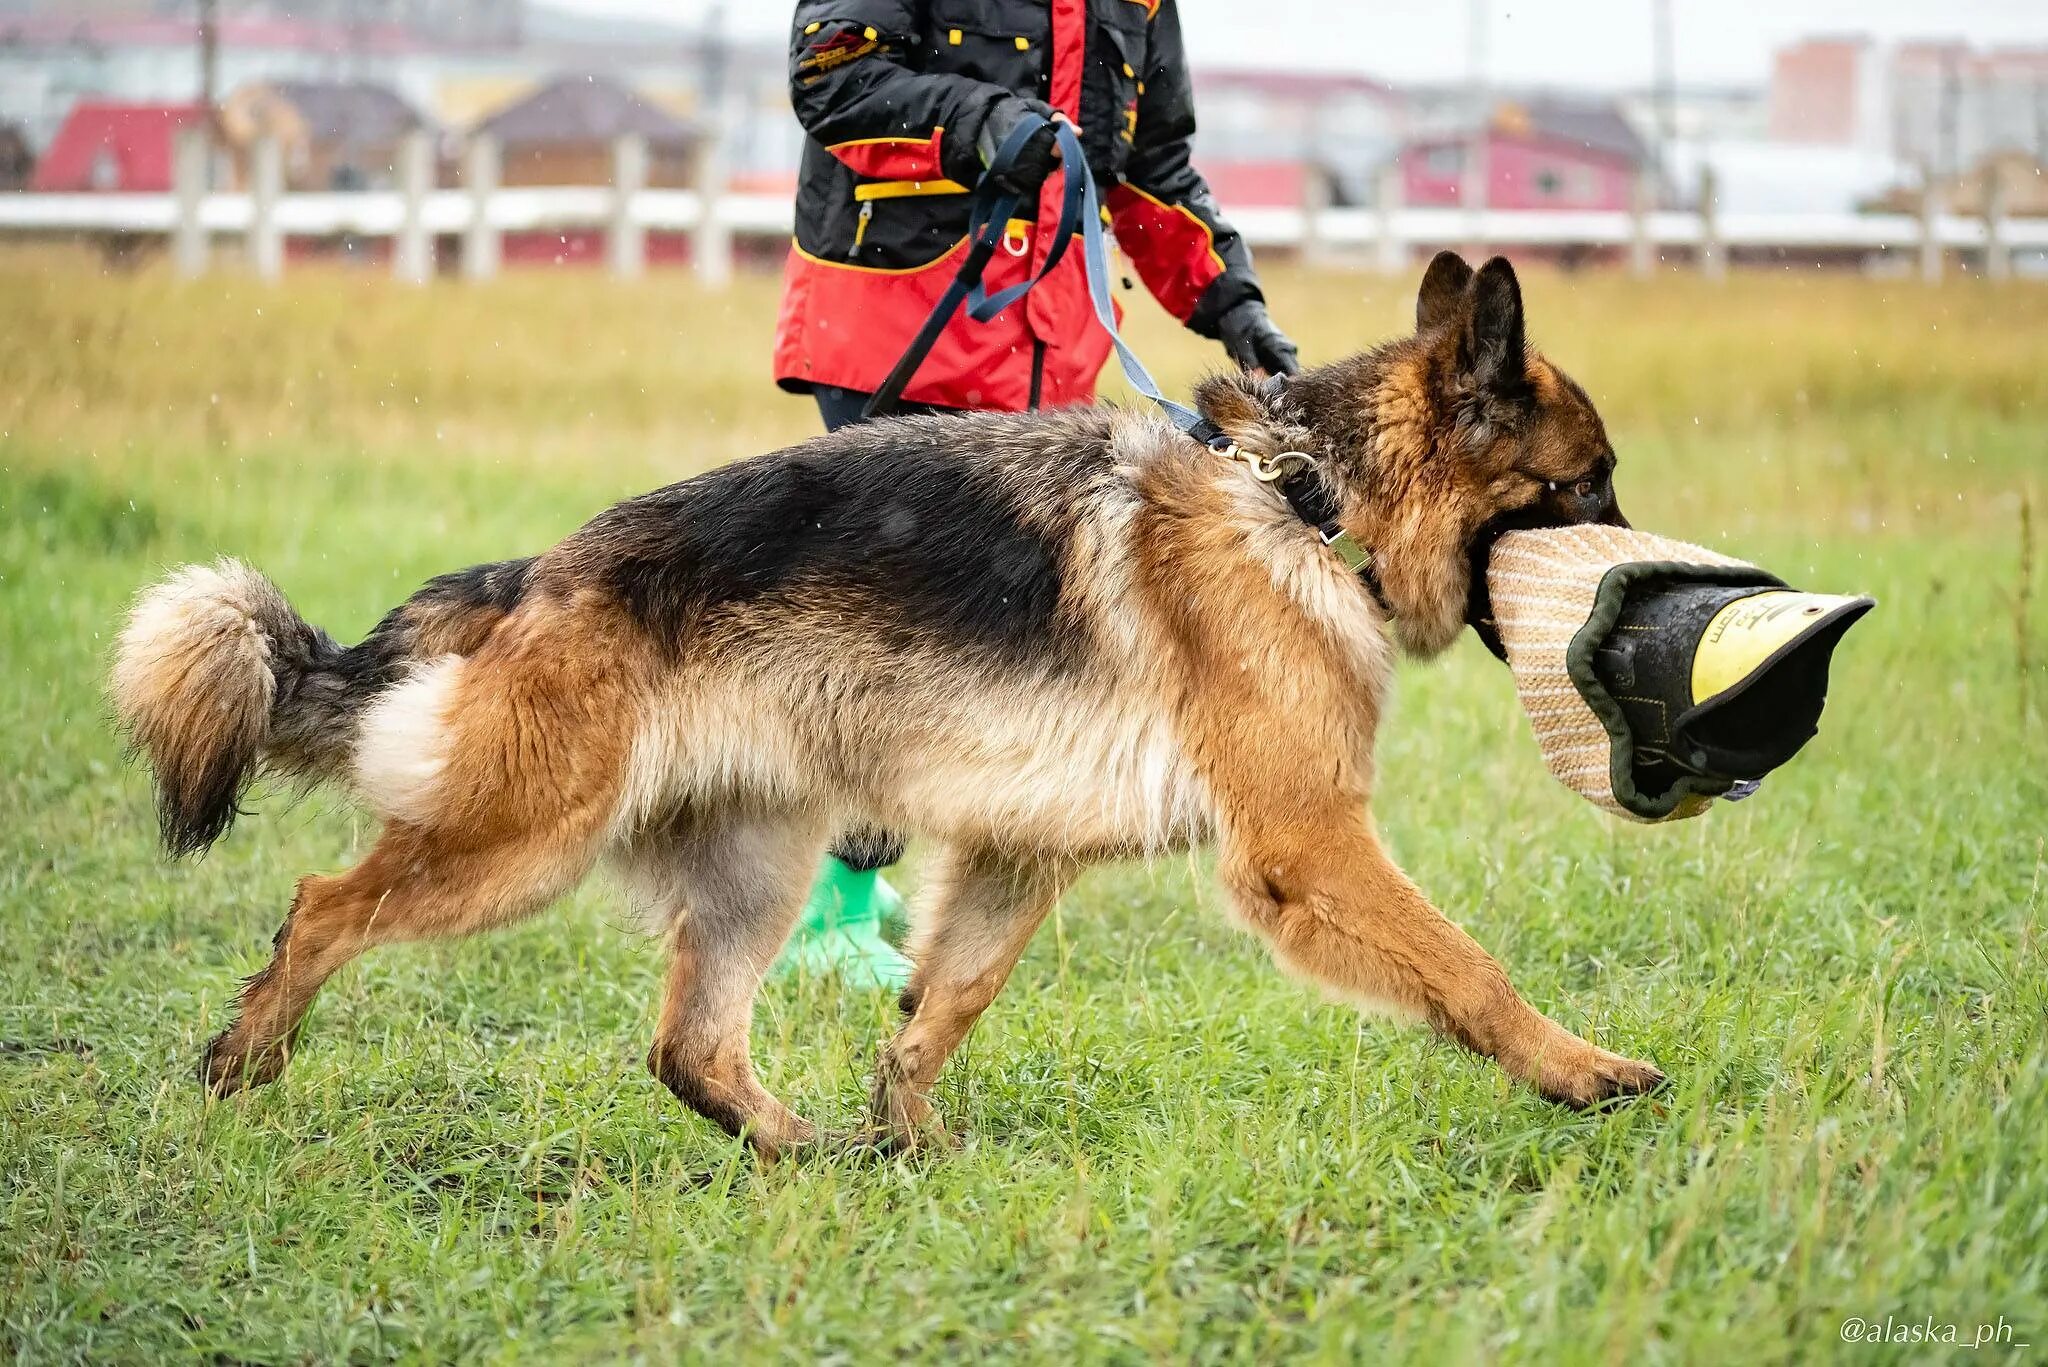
point(1251, 340)
point(1039, 155)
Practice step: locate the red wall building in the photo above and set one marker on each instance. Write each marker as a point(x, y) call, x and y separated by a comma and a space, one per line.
point(1538, 156)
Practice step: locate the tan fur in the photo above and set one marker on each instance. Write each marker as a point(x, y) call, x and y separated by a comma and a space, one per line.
point(981, 909)
point(1429, 515)
point(191, 683)
point(192, 658)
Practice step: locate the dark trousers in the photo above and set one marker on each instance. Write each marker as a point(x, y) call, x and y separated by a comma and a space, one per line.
point(866, 847)
point(841, 407)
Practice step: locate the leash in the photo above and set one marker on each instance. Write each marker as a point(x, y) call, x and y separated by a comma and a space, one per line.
point(988, 218)
point(1295, 474)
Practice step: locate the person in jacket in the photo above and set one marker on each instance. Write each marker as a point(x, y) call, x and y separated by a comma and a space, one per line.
point(904, 103)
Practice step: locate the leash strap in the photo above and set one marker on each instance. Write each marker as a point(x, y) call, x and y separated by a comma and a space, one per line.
point(981, 305)
point(988, 221)
point(1095, 254)
point(1305, 490)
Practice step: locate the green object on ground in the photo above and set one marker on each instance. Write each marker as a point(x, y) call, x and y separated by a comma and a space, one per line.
point(843, 926)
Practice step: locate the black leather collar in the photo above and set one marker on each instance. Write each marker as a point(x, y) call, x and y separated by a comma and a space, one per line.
point(1313, 501)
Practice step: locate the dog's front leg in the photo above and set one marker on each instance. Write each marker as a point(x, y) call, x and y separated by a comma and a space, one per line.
point(1335, 908)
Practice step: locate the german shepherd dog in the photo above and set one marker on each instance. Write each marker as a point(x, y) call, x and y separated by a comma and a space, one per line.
point(1040, 640)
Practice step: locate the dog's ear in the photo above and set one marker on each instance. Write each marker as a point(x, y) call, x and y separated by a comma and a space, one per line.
point(1443, 290)
point(1493, 350)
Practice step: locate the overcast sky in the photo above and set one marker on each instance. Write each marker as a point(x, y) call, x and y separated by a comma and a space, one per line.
point(1529, 42)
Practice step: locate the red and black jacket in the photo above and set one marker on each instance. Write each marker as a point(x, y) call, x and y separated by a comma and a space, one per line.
point(893, 94)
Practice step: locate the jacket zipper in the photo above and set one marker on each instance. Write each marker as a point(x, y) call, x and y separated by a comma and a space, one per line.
point(860, 227)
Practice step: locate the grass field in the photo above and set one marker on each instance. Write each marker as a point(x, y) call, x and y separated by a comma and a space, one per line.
point(1174, 1153)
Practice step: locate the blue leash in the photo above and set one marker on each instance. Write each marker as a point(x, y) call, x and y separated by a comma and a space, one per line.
point(988, 222)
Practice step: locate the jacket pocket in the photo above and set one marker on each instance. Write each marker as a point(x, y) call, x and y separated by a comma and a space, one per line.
point(906, 224)
point(1002, 42)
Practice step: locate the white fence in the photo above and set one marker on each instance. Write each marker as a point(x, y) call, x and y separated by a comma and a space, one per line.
point(415, 215)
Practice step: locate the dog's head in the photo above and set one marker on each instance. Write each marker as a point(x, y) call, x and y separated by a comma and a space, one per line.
point(1526, 433)
point(1443, 441)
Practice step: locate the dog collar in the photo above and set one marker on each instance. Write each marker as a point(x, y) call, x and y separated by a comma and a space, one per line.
point(1298, 477)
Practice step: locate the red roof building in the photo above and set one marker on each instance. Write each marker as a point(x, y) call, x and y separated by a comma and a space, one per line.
point(105, 145)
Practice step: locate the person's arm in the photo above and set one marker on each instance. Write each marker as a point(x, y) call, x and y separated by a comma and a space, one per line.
point(854, 91)
point(1167, 222)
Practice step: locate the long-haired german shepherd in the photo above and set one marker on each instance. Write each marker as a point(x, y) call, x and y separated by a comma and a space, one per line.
point(1040, 640)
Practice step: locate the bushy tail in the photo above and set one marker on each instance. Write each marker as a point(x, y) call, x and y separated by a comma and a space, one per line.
point(215, 676)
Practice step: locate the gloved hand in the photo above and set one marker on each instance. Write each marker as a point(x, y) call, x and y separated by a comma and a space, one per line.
point(1035, 163)
point(1251, 340)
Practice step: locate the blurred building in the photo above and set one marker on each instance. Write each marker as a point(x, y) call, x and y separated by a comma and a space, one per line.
point(465, 22)
point(1939, 105)
point(1758, 176)
point(1543, 152)
point(1827, 91)
point(50, 62)
point(109, 146)
point(1264, 133)
point(455, 61)
point(563, 134)
point(335, 135)
point(448, 21)
point(1695, 114)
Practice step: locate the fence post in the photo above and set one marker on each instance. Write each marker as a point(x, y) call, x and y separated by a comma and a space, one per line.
point(1930, 231)
point(266, 185)
point(191, 155)
point(412, 250)
point(1713, 253)
point(1315, 198)
point(481, 245)
point(1997, 251)
point(1390, 253)
point(1642, 251)
point(625, 239)
point(1476, 191)
point(711, 243)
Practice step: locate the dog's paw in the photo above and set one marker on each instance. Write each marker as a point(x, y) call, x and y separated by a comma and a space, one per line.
point(1590, 1077)
point(781, 1137)
point(225, 1069)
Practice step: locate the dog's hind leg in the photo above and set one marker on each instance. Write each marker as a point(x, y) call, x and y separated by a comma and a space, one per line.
point(731, 884)
point(414, 885)
point(982, 910)
point(528, 759)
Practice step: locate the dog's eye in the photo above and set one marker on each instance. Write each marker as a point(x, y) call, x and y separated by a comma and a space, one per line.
point(1584, 488)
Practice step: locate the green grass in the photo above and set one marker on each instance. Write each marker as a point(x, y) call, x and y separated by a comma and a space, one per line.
point(1174, 1152)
